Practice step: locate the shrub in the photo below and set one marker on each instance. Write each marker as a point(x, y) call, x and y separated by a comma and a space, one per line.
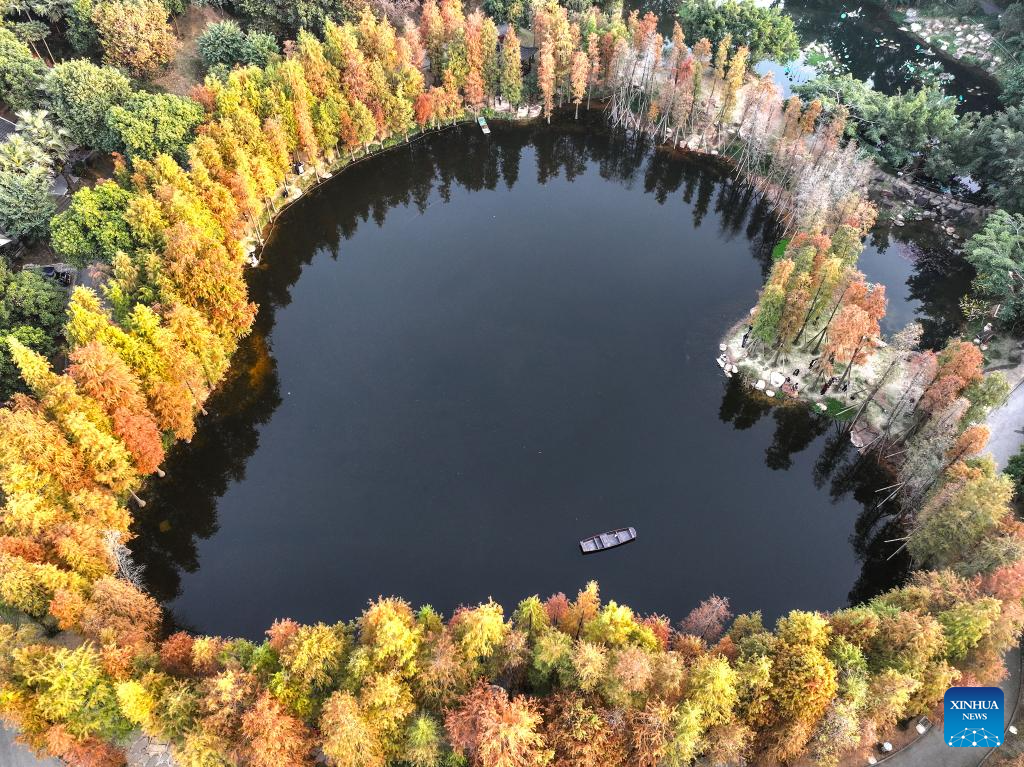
point(224, 43)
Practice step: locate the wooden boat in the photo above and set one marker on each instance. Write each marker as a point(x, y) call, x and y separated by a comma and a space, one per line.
point(608, 540)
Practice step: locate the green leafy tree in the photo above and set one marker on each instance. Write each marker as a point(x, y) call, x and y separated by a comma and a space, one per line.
point(32, 310)
point(286, 19)
point(997, 148)
point(984, 395)
point(148, 124)
point(1015, 470)
point(1012, 80)
point(222, 42)
point(21, 73)
point(81, 32)
point(93, 228)
point(80, 94)
point(1011, 22)
point(903, 129)
point(25, 201)
point(135, 34)
point(766, 30)
point(997, 255)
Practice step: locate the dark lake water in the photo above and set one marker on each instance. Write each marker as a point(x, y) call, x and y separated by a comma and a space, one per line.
point(870, 45)
point(473, 351)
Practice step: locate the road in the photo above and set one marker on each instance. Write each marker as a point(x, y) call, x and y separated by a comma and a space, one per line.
point(15, 755)
point(1007, 427)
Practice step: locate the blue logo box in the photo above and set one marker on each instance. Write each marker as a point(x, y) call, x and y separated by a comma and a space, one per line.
point(973, 717)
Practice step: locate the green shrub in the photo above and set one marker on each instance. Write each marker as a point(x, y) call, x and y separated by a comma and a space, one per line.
point(223, 43)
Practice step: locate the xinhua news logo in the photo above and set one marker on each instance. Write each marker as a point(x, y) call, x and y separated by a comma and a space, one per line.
point(973, 717)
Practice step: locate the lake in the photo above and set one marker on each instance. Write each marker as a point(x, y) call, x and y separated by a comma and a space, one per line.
point(473, 351)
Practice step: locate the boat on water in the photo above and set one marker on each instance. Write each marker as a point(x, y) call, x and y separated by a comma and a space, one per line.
point(483, 125)
point(608, 540)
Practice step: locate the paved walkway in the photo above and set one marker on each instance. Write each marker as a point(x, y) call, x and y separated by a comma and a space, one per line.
point(1007, 425)
point(140, 752)
point(15, 755)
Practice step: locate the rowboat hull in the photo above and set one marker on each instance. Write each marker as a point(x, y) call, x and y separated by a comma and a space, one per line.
point(609, 540)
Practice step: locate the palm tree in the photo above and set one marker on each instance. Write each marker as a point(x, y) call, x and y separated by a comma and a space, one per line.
point(19, 155)
point(53, 12)
point(53, 139)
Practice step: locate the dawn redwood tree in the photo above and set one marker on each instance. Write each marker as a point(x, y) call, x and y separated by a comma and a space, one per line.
point(71, 688)
point(274, 737)
point(106, 378)
point(511, 77)
point(803, 683)
point(959, 365)
point(709, 619)
point(81, 418)
point(479, 630)
point(847, 340)
point(492, 730)
point(349, 739)
point(474, 83)
point(83, 752)
point(423, 742)
point(734, 78)
point(546, 78)
point(390, 636)
point(578, 734)
point(491, 66)
point(956, 521)
point(578, 76)
point(650, 732)
point(432, 34)
point(970, 441)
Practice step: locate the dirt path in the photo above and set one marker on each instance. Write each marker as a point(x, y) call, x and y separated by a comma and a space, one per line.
point(186, 69)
